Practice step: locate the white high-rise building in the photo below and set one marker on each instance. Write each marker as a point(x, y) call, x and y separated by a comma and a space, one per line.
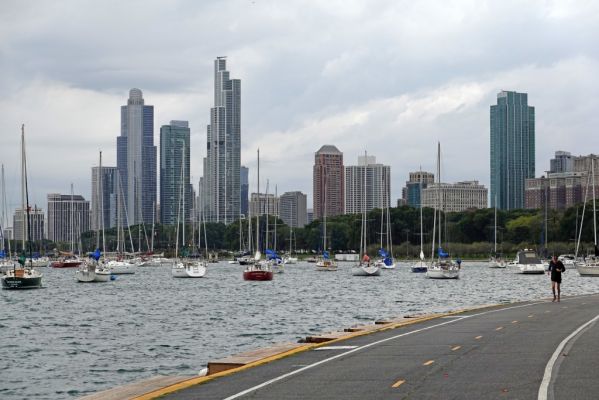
point(222, 164)
point(377, 191)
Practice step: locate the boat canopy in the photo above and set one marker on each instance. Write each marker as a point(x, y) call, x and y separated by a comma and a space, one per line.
point(528, 257)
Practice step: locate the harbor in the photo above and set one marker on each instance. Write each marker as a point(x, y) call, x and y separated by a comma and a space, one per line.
point(148, 324)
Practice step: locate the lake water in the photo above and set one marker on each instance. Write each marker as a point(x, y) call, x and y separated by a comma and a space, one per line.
point(71, 339)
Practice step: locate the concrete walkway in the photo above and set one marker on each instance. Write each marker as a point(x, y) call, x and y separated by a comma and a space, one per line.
point(529, 350)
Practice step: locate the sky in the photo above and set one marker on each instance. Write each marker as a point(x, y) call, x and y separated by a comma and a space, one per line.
point(388, 77)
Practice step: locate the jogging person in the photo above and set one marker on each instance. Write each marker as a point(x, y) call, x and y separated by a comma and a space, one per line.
point(556, 267)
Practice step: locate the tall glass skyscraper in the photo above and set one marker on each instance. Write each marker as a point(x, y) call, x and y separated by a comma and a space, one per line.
point(512, 149)
point(223, 159)
point(136, 159)
point(174, 151)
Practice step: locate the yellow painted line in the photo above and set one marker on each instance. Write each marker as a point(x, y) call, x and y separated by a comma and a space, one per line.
point(429, 362)
point(514, 322)
point(499, 328)
point(398, 384)
point(203, 379)
point(478, 337)
point(456, 348)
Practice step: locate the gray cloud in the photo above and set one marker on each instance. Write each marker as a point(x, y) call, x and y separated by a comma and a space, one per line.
point(392, 77)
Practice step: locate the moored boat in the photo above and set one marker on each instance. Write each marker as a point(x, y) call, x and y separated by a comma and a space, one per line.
point(528, 263)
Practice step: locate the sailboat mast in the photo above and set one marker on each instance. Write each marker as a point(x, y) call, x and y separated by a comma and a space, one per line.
point(324, 216)
point(421, 233)
point(276, 213)
point(183, 192)
point(495, 230)
point(258, 208)
point(584, 205)
point(72, 217)
point(364, 206)
point(594, 209)
point(153, 222)
point(101, 191)
point(26, 192)
point(267, 204)
point(24, 223)
point(439, 187)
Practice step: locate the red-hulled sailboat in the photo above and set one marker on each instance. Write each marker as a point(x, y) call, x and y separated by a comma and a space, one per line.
point(259, 270)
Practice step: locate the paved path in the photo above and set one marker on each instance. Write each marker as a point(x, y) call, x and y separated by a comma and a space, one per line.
point(508, 352)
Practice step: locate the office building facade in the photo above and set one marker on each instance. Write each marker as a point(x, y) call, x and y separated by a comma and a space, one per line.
point(411, 192)
point(454, 197)
point(223, 158)
point(512, 128)
point(328, 182)
point(68, 217)
point(37, 223)
point(176, 192)
point(244, 190)
point(103, 202)
point(367, 185)
point(136, 159)
point(293, 209)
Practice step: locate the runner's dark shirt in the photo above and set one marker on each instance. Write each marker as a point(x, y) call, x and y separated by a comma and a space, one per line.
point(556, 270)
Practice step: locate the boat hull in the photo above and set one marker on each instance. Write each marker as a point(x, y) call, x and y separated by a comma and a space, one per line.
point(366, 270)
point(434, 273)
point(326, 265)
point(65, 264)
point(588, 270)
point(30, 280)
point(419, 267)
point(528, 269)
point(257, 275)
point(189, 271)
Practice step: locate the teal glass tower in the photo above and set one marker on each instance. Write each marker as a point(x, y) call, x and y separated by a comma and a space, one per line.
point(174, 173)
point(512, 149)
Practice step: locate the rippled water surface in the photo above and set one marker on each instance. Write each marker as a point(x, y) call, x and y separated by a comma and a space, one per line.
point(71, 339)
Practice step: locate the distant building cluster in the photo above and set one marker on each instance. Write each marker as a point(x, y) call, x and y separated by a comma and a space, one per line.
point(567, 183)
point(151, 184)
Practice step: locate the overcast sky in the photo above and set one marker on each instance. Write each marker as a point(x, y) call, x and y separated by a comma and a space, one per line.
point(390, 77)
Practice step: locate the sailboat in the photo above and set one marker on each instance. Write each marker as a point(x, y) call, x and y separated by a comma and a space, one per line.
point(93, 270)
point(590, 265)
point(365, 266)
point(442, 267)
point(23, 277)
point(184, 268)
point(496, 260)
point(420, 266)
point(325, 263)
point(386, 253)
point(259, 270)
point(121, 266)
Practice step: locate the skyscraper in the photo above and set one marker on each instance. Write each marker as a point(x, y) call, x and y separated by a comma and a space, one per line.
point(107, 200)
point(244, 190)
point(223, 159)
point(512, 149)
point(174, 155)
point(418, 180)
point(328, 182)
point(377, 190)
point(68, 217)
point(136, 158)
point(293, 210)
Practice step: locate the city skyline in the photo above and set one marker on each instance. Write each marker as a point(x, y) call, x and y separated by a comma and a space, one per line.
point(300, 92)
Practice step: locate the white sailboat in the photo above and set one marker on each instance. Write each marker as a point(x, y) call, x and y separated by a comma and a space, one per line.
point(5, 256)
point(184, 268)
point(275, 261)
point(24, 276)
point(386, 253)
point(590, 265)
point(92, 270)
point(365, 266)
point(496, 260)
point(441, 267)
